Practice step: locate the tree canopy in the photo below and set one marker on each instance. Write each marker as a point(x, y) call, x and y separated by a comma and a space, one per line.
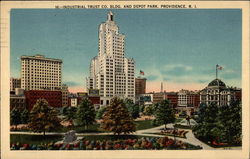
point(220, 124)
point(117, 118)
point(133, 109)
point(43, 117)
point(85, 114)
point(164, 113)
point(15, 117)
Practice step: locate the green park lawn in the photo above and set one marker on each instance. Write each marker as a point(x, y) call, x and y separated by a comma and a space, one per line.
point(95, 128)
point(37, 139)
point(34, 139)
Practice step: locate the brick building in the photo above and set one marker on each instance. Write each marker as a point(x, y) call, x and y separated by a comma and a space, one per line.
point(54, 98)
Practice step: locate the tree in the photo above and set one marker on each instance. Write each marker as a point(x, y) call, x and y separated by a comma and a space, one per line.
point(43, 117)
point(164, 113)
point(229, 123)
point(220, 124)
point(201, 112)
point(148, 110)
point(70, 114)
point(15, 117)
point(25, 116)
point(207, 128)
point(85, 114)
point(100, 112)
point(133, 109)
point(117, 118)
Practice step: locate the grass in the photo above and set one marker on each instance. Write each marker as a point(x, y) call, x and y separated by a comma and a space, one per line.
point(182, 126)
point(178, 120)
point(95, 128)
point(34, 139)
point(144, 124)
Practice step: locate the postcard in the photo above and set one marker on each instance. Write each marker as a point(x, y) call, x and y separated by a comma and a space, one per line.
point(125, 79)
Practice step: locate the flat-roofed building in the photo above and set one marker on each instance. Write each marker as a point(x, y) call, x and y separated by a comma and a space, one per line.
point(40, 73)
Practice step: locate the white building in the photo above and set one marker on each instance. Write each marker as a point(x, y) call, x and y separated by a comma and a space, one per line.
point(187, 98)
point(217, 92)
point(111, 72)
point(40, 73)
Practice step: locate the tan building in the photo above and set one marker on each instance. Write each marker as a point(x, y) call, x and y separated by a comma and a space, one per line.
point(65, 94)
point(158, 97)
point(140, 85)
point(188, 99)
point(15, 83)
point(40, 73)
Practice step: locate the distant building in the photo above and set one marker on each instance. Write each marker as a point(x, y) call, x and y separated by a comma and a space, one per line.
point(145, 99)
point(15, 83)
point(18, 99)
point(158, 97)
point(73, 101)
point(40, 73)
point(65, 94)
point(54, 98)
point(188, 99)
point(140, 86)
point(217, 92)
point(111, 72)
point(172, 97)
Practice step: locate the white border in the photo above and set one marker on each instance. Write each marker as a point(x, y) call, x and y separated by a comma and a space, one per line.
point(173, 154)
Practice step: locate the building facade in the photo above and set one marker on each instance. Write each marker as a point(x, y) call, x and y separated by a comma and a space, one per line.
point(65, 94)
point(40, 73)
point(158, 97)
point(145, 99)
point(172, 97)
point(111, 72)
point(217, 92)
point(54, 98)
point(15, 83)
point(188, 99)
point(140, 86)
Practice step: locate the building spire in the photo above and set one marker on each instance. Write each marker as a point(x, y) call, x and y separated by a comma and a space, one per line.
point(110, 16)
point(161, 87)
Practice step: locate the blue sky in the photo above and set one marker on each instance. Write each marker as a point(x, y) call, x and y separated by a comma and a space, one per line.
point(178, 47)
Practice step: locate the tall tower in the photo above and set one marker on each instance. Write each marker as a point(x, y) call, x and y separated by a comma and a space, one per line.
point(161, 87)
point(111, 72)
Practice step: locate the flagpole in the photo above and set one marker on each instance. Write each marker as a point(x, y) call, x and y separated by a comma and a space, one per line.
point(216, 71)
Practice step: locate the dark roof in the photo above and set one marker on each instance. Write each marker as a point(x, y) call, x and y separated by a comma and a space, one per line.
point(217, 82)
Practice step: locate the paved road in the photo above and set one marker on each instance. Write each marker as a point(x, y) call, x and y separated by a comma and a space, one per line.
point(190, 138)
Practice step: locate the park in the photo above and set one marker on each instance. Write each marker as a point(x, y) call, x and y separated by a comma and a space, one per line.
point(123, 125)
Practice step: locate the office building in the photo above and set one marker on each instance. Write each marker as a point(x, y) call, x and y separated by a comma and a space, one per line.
point(40, 73)
point(65, 94)
point(15, 83)
point(111, 72)
point(140, 86)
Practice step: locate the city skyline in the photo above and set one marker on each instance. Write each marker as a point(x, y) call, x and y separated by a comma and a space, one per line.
point(168, 45)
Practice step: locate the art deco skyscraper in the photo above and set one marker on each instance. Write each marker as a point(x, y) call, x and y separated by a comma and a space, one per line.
point(111, 72)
